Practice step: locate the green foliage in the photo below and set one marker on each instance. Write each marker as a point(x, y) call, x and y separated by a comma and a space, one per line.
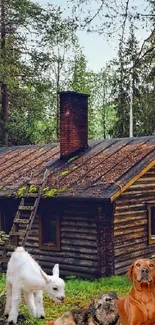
point(3, 237)
point(41, 56)
point(33, 189)
point(101, 113)
point(63, 189)
point(65, 172)
point(2, 282)
point(21, 191)
point(49, 192)
point(133, 82)
point(34, 70)
point(72, 159)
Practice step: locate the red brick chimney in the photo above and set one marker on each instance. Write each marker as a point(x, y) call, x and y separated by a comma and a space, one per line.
point(73, 123)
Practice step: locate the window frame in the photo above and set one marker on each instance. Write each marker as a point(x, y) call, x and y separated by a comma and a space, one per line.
point(150, 239)
point(50, 246)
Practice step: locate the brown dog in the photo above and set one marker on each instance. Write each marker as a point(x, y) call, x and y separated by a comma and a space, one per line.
point(138, 308)
point(102, 311)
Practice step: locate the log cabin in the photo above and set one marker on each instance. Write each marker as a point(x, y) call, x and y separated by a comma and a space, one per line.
point(94, 212)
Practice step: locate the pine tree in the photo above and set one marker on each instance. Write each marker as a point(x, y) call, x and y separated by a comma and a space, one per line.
point(126, 82)
point(15, 19)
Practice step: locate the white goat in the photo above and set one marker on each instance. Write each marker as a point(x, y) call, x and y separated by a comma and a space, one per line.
point(25, 274)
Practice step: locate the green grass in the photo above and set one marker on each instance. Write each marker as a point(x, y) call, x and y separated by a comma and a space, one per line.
point(79, 293)
point(2, 282)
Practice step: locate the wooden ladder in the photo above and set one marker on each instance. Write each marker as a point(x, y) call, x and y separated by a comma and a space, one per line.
point(24, 218)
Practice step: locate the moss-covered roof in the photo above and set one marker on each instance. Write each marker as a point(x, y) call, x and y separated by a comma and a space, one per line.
point(103, 170)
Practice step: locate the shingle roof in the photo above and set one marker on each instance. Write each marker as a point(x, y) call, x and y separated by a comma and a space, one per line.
point(101, 171)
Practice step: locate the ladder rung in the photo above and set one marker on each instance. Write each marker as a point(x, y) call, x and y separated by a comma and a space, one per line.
point(24, 221)
point(12, 242)
point(30, 195)
point(17, 233)
point(26, 208)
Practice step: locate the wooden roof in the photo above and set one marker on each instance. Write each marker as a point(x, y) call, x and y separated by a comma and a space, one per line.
point(104, 170)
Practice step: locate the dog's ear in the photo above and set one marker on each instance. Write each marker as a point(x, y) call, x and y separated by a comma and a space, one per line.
point(113, 294)
point(91, 309)
point(129, 274)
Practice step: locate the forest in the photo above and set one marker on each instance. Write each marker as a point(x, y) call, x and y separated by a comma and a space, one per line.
point(40, 55)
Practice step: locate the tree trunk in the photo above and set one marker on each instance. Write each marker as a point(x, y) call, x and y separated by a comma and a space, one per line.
point(4, 93)
point(58, 103)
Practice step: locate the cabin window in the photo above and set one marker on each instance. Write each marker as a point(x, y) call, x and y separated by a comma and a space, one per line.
point(8, 210)
point(151, 223)
point(49, 237)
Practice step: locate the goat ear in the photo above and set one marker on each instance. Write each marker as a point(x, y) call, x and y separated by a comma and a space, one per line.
point(44, 275)
point(56, 270)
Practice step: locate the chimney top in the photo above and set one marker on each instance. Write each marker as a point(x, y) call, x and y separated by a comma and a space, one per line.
point(73, 123)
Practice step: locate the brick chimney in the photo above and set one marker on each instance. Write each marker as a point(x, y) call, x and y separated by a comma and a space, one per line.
point(73, 123)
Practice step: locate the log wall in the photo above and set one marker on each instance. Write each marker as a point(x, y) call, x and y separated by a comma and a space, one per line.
point(78, 249)
point(131, 223)
point(86, 248)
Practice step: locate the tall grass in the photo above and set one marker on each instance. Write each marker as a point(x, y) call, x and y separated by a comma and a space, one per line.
point(79, 293)
point(2, 282)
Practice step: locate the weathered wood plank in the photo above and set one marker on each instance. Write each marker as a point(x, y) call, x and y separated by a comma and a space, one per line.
point(59, 254)
point(142, 186)
point(140, 192)
point(68, 267)
point(129, 237)
point(81, 230)
point(74, 223)
point(128, 243)
point(129, 234)
point(72, 217)
point(124, 259)
point(122, 251)
point(118, 220)
point(126, 226)
point(127, 200)
point(67, 261)
point(81, 249)
point(73, 273)
point(76, 235)
point(129, 206)
point(129, 212)
point(79, 242)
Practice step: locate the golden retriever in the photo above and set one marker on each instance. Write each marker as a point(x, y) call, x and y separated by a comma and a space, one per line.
point(138, 308)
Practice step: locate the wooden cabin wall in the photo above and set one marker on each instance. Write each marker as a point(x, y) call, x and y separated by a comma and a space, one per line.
point(105, 239)
point(78, 254)
point(131, 224)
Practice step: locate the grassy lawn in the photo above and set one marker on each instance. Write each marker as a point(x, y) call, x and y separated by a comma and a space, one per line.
point(79, 293)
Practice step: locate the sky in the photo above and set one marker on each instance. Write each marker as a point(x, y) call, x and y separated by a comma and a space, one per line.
point(97, 48)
